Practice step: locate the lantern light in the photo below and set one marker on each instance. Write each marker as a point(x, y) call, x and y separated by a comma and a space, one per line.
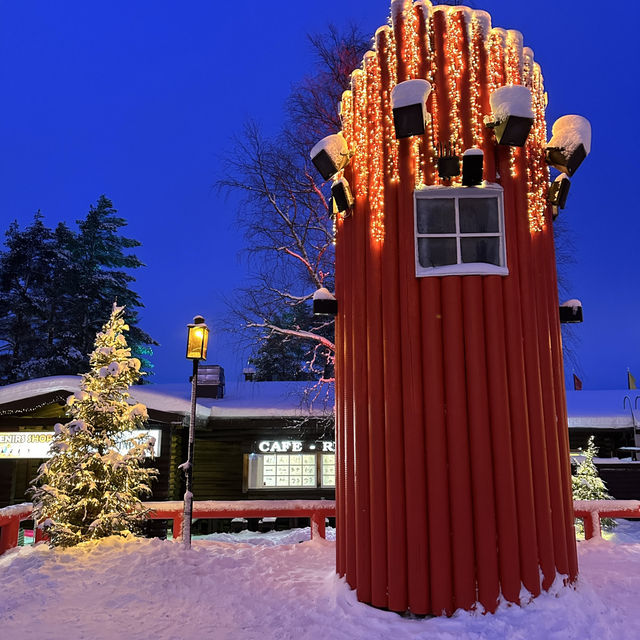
point(330, 155)
point(409, 105)
point(472, 164)
point(341, 194)
point(512, 115)
point(570, 143)
point(571, 311)
point(197, 339)
point(324, 303)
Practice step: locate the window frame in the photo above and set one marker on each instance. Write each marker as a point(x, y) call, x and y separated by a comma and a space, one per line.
point(255, 472)
point(494, 191)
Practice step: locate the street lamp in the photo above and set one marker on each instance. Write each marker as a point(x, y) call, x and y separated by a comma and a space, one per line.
point(197, 341)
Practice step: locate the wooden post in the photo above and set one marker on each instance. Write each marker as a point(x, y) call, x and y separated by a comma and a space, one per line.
point(9, 535)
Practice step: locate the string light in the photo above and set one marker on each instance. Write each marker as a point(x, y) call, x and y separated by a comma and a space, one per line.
point(359, 90)
point(391, 60)
point(537, 170)
point(455, 68)
point(367, 117)
point(513, 74)
point(476, 41)
point(432, 135)
point(376, 145)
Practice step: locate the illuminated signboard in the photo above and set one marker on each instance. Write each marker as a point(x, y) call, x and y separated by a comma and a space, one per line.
point(295, 446)
point(35, 444)
point(292, 464)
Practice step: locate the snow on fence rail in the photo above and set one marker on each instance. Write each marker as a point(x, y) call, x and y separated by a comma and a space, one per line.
point(589, 511)
point(315, 510)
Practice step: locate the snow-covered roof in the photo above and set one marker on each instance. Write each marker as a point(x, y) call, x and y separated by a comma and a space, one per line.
point(248, 399)
point(602, 409)
point(242, 399)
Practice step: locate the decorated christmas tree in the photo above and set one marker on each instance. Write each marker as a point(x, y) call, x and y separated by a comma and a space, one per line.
point(587, 483)
point(91, 486)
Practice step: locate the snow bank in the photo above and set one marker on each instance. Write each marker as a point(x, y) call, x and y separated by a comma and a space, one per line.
point(253, 590)
point(511, 100)
point(410, 92)
point(569, 132)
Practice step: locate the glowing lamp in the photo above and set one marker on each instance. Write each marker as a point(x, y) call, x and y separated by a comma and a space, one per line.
point(571, 311)
point(197, 339)
point(341, 194)
point(570, 143)
point(558, 191)
point(330, 155)
point(409, 105)
point(324, 303)
point(472, 164)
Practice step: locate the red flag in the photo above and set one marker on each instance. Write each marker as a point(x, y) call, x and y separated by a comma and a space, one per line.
point(577, 383)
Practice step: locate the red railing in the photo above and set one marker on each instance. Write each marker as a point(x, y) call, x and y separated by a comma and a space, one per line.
point(315, 510)
point(589, 511)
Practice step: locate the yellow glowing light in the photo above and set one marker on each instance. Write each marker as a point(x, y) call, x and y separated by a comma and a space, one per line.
point(376, 147)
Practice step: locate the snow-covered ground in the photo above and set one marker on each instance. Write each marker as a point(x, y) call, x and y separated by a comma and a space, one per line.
point(268, 586)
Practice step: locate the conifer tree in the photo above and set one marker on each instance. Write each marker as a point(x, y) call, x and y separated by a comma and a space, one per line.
point(56, 291)
point(587, 483)
point(32, 302)
point(91, 486)
point(101, 263)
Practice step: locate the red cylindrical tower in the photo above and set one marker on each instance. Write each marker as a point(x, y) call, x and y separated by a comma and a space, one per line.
point(453, 482)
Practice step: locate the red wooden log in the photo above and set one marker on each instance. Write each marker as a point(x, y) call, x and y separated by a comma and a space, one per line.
point(375, 400)
point(339, 374)
point(436, 455)
point(397, 560)
point(480, 459)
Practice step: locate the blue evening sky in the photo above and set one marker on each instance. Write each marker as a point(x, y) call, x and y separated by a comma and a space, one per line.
point(139, 99)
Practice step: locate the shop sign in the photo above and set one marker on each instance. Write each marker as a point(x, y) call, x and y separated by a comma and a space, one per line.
point(295, 446)
point(35, 444)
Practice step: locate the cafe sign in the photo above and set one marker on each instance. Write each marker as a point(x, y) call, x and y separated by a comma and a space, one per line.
point(295, 446)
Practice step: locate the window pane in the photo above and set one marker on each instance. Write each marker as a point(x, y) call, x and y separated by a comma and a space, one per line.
point(436, 215)
point(480, 250)
point(478, 215)
point(436, 252)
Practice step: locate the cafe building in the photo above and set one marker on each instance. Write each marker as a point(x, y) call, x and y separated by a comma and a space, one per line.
point(253, 440)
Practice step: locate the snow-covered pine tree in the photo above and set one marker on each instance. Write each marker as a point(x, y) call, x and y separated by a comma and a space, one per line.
point(91, 486)
point(587, 483)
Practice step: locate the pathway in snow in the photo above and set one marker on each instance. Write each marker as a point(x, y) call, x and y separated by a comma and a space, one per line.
point(269, 587)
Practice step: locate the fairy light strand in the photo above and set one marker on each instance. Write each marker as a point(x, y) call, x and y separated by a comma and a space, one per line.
point(368, 118)
point(376, 146)
point(475, 42)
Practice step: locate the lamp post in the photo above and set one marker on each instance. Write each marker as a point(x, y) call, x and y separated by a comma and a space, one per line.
point(197, 340)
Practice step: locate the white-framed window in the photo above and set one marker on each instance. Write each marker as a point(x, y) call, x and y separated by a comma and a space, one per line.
point(460, 231)
point(291, 470)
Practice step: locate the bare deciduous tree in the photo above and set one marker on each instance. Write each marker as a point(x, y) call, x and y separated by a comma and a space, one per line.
point(285, 207)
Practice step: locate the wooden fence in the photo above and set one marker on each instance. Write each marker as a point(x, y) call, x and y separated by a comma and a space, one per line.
point(315, 510)
point(589, 511)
